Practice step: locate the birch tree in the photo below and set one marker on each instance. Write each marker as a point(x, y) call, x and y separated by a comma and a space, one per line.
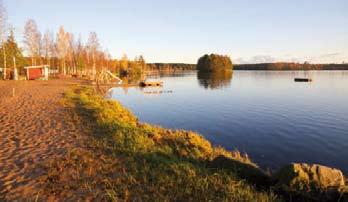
point(3, 31)
point(62, 47)
point(108, 58)
point(48, 46)
point(93, 46)
point(71, 53)
point(32, 40)
point(80, 56)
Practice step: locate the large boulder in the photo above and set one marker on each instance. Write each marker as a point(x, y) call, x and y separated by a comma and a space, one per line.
point(309, 177)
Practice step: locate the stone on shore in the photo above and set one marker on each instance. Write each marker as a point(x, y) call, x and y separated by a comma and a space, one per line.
point(309, 177)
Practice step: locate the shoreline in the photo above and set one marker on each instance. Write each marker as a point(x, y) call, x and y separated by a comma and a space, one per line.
point(220, 160)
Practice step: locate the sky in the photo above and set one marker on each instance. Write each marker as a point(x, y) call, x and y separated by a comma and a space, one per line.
point(249, 31)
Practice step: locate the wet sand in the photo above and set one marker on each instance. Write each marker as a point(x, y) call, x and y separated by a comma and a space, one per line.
point(34, 127)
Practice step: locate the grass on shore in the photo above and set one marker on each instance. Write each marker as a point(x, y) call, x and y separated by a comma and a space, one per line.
point(128, 160)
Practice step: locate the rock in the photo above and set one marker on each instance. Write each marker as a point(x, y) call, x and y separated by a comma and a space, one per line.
point(309, 177)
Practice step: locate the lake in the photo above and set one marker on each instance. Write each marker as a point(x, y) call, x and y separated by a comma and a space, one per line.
point(263, 113)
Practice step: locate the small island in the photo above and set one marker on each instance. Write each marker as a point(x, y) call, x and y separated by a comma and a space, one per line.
point(214, 62)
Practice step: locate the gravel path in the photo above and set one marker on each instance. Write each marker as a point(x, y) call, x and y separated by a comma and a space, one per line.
point(34, 127)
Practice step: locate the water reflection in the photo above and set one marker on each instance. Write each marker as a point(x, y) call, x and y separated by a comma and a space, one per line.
point(133, 79)
point(215, 80)
point(180, 74)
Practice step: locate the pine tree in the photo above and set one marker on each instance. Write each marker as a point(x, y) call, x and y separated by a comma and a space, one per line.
point(14, 56)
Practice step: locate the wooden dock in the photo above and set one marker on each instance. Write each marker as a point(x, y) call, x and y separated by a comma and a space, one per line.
point(151, 83)
point(303, 80)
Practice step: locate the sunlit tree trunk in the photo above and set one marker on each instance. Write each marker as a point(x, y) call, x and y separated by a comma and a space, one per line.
point(3, 26)
point(5, 63)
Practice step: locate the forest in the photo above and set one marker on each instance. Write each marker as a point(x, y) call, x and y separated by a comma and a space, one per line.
point(62, 51)
point(170, 67)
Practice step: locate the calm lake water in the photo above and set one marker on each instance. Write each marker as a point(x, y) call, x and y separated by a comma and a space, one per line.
point(263, 113)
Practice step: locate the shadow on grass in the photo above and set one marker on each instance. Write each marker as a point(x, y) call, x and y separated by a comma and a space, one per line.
point(250, 173)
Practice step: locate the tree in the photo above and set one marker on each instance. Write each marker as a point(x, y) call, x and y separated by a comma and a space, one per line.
point(14, 53)
point(48, 46)
point(93, 46)
point(108, 58)
point(214, 62)
point(62, 47)
point(142, 63)
point(124, 65)
point(81, 54)
point(3, 32)
point(32, 40)
point(71, 53)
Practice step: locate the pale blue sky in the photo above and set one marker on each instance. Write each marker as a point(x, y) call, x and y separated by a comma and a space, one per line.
point(183, 30)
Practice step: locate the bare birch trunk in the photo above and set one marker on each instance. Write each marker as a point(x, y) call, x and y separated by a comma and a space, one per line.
point(15, 72)
point(64, 67)
point(5, 63)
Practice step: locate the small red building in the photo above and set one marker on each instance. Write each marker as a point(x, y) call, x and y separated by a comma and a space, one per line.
point(37, 72)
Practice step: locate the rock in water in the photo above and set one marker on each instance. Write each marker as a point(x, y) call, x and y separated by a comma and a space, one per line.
point(309, 177)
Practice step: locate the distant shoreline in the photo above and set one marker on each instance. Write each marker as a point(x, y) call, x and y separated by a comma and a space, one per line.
point(281, 66)
point(290, 66)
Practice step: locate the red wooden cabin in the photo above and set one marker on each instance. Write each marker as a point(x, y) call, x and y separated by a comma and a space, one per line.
point(37, 72)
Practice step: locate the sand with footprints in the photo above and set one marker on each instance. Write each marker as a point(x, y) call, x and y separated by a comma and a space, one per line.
point(34, 127)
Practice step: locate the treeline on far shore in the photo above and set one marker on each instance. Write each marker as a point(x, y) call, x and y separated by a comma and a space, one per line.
point(262, 66)
point(290, 66)
point(170, 67)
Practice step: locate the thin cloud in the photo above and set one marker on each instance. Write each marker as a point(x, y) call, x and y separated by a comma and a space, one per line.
point(330, 55)
point(256, 59)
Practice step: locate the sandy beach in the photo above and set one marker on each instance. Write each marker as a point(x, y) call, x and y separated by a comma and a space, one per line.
point(34, 127)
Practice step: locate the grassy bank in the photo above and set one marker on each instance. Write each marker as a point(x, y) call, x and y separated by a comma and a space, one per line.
point(127, 160)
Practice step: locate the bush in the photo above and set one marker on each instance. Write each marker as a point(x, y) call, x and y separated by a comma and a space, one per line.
point(214, 62)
